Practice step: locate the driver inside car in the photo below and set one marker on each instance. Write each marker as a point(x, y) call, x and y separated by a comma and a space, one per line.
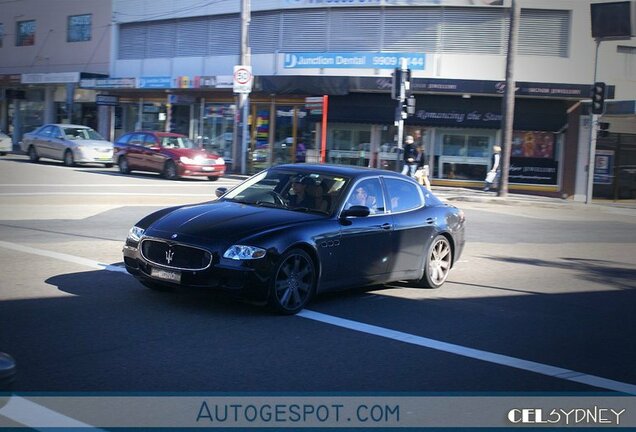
point(298, 195)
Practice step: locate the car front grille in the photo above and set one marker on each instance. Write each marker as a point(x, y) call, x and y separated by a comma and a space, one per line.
point(175, 256)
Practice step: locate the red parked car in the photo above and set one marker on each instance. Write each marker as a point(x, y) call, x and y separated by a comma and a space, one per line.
point(173, 155)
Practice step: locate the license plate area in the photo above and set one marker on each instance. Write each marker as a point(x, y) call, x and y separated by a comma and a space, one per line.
point(167, 275)
point(207, 168)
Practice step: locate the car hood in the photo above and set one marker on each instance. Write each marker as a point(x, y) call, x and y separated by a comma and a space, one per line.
point(191, 153)
point(225, 220)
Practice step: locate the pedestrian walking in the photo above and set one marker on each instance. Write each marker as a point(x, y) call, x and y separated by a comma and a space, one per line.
point(410, 153)
point(422, 171)
point(495, 164)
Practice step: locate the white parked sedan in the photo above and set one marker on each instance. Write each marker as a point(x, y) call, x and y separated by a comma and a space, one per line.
point(5, 144)
point(68, 143)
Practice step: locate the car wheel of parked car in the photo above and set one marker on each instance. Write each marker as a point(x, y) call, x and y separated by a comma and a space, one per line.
point(294, 282)
point(123, 165)
point(155, 286)
point(170, 170)
point(108, 165)
point(438, 263)
point(213, 178)
point(69, 160)
point(33, 154)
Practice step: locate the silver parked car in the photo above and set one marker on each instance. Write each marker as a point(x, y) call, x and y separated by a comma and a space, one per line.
point(68, 143)
point(6, 145)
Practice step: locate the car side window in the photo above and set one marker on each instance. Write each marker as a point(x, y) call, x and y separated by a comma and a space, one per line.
point(150, 141)
point(124, 139)
point(46, 132)
point(367, 193)
point(404, 195)
point(136, 139)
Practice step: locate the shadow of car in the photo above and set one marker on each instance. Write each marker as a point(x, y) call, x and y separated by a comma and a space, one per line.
point(69, 143)
point(170, 154)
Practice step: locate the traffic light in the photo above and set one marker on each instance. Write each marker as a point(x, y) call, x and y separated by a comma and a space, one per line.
point(598, 98)
point(410, 105)
point(396, 83)
point(603, 129)
point(401, 78)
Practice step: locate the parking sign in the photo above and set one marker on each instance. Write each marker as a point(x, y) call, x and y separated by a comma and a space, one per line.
point(243, 79)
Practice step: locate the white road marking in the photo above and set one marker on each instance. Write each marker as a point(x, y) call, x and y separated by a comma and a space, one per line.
point(36, 416)
point(517, 363)
point(513, 362)
point(63, 257)
point(103, 194)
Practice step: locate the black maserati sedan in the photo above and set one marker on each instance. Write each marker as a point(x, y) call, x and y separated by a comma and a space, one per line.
point(294, 231)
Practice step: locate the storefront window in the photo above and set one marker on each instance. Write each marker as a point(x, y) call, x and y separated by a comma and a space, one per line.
point(218, 129)
point(153, 117)
point(349, 144)
point(463, 156)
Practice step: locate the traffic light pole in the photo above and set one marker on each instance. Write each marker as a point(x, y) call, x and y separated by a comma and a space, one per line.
point(593, 130)
point(401, 97)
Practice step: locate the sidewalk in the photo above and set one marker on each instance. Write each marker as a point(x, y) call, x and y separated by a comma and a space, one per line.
point(458, 194)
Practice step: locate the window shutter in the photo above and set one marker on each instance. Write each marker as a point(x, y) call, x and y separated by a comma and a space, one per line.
point(304, 30)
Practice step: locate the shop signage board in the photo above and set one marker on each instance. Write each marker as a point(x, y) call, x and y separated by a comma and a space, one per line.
point(108, 83)
point(51, 78)
point(154, 82)
point(352, 60)
point(107, 100)
point(604, 167)
point(526, 170)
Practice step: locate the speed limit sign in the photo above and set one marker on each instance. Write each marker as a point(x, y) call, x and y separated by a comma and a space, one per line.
point(243, 79)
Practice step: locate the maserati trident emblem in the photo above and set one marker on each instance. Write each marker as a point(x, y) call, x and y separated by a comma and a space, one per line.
point(174, 236)
point(169, 255)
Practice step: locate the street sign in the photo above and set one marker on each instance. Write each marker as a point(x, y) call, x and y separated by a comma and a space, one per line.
point(243, 79)
point(107, 100)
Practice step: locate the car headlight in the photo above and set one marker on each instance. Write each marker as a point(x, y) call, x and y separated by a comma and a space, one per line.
point(241, 252)
point(220, 161)
point(135, 233)
point(198, 160)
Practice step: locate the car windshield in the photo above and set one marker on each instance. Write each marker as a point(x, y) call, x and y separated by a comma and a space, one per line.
point(82, 134)
point(177, 142)
point(293, 190)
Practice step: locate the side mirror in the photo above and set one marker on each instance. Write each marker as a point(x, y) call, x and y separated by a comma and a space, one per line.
point(355, 211)
point(219, 192)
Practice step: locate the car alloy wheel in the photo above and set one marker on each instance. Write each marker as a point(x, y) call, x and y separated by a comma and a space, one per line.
point(294, 282)
point(123, 165)
point(69, 160)
point(170, 170)
point(438, 263)
point(33, 154)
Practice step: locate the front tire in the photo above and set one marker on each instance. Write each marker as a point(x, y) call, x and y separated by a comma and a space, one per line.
point(69, 159)
point(437, 265)
point(108, 165)
point(170, 171)
point(213, 178)
point(33, 154)
point(293, 283)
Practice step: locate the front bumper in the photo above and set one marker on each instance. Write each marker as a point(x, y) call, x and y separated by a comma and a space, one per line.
point(200, 170)
point(250, 283)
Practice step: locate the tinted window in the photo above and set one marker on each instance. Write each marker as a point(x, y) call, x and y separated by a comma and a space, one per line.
point(136, 139)
point(404, 195)
point(46, 131)
point(367, 193)
point(124, 139)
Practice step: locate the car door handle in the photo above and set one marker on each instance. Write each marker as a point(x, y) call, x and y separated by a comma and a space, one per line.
point(430, 221)
point(386, 226)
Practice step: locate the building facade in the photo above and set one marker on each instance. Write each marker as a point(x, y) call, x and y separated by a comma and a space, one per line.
point(171, 65)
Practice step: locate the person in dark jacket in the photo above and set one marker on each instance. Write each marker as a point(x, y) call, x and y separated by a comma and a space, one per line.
point(410, 154)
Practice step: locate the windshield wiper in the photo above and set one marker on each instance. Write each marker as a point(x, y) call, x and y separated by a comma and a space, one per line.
point(267, 204)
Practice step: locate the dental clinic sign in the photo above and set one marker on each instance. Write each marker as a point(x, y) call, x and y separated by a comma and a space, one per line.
point(353, 60)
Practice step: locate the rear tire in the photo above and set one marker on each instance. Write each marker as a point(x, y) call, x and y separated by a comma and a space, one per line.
point(439, 259)
point(110, 165)
point(69, 160)
point(33, 154)
point(170, 171)
point(124, 168)
point(213, 178)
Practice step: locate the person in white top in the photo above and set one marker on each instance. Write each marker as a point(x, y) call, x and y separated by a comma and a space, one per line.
point(495, 163)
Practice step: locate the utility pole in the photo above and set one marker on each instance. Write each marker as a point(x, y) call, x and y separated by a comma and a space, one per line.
point(508, 104)
point(241, 137)
point(401, 90)
point(589, 190)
